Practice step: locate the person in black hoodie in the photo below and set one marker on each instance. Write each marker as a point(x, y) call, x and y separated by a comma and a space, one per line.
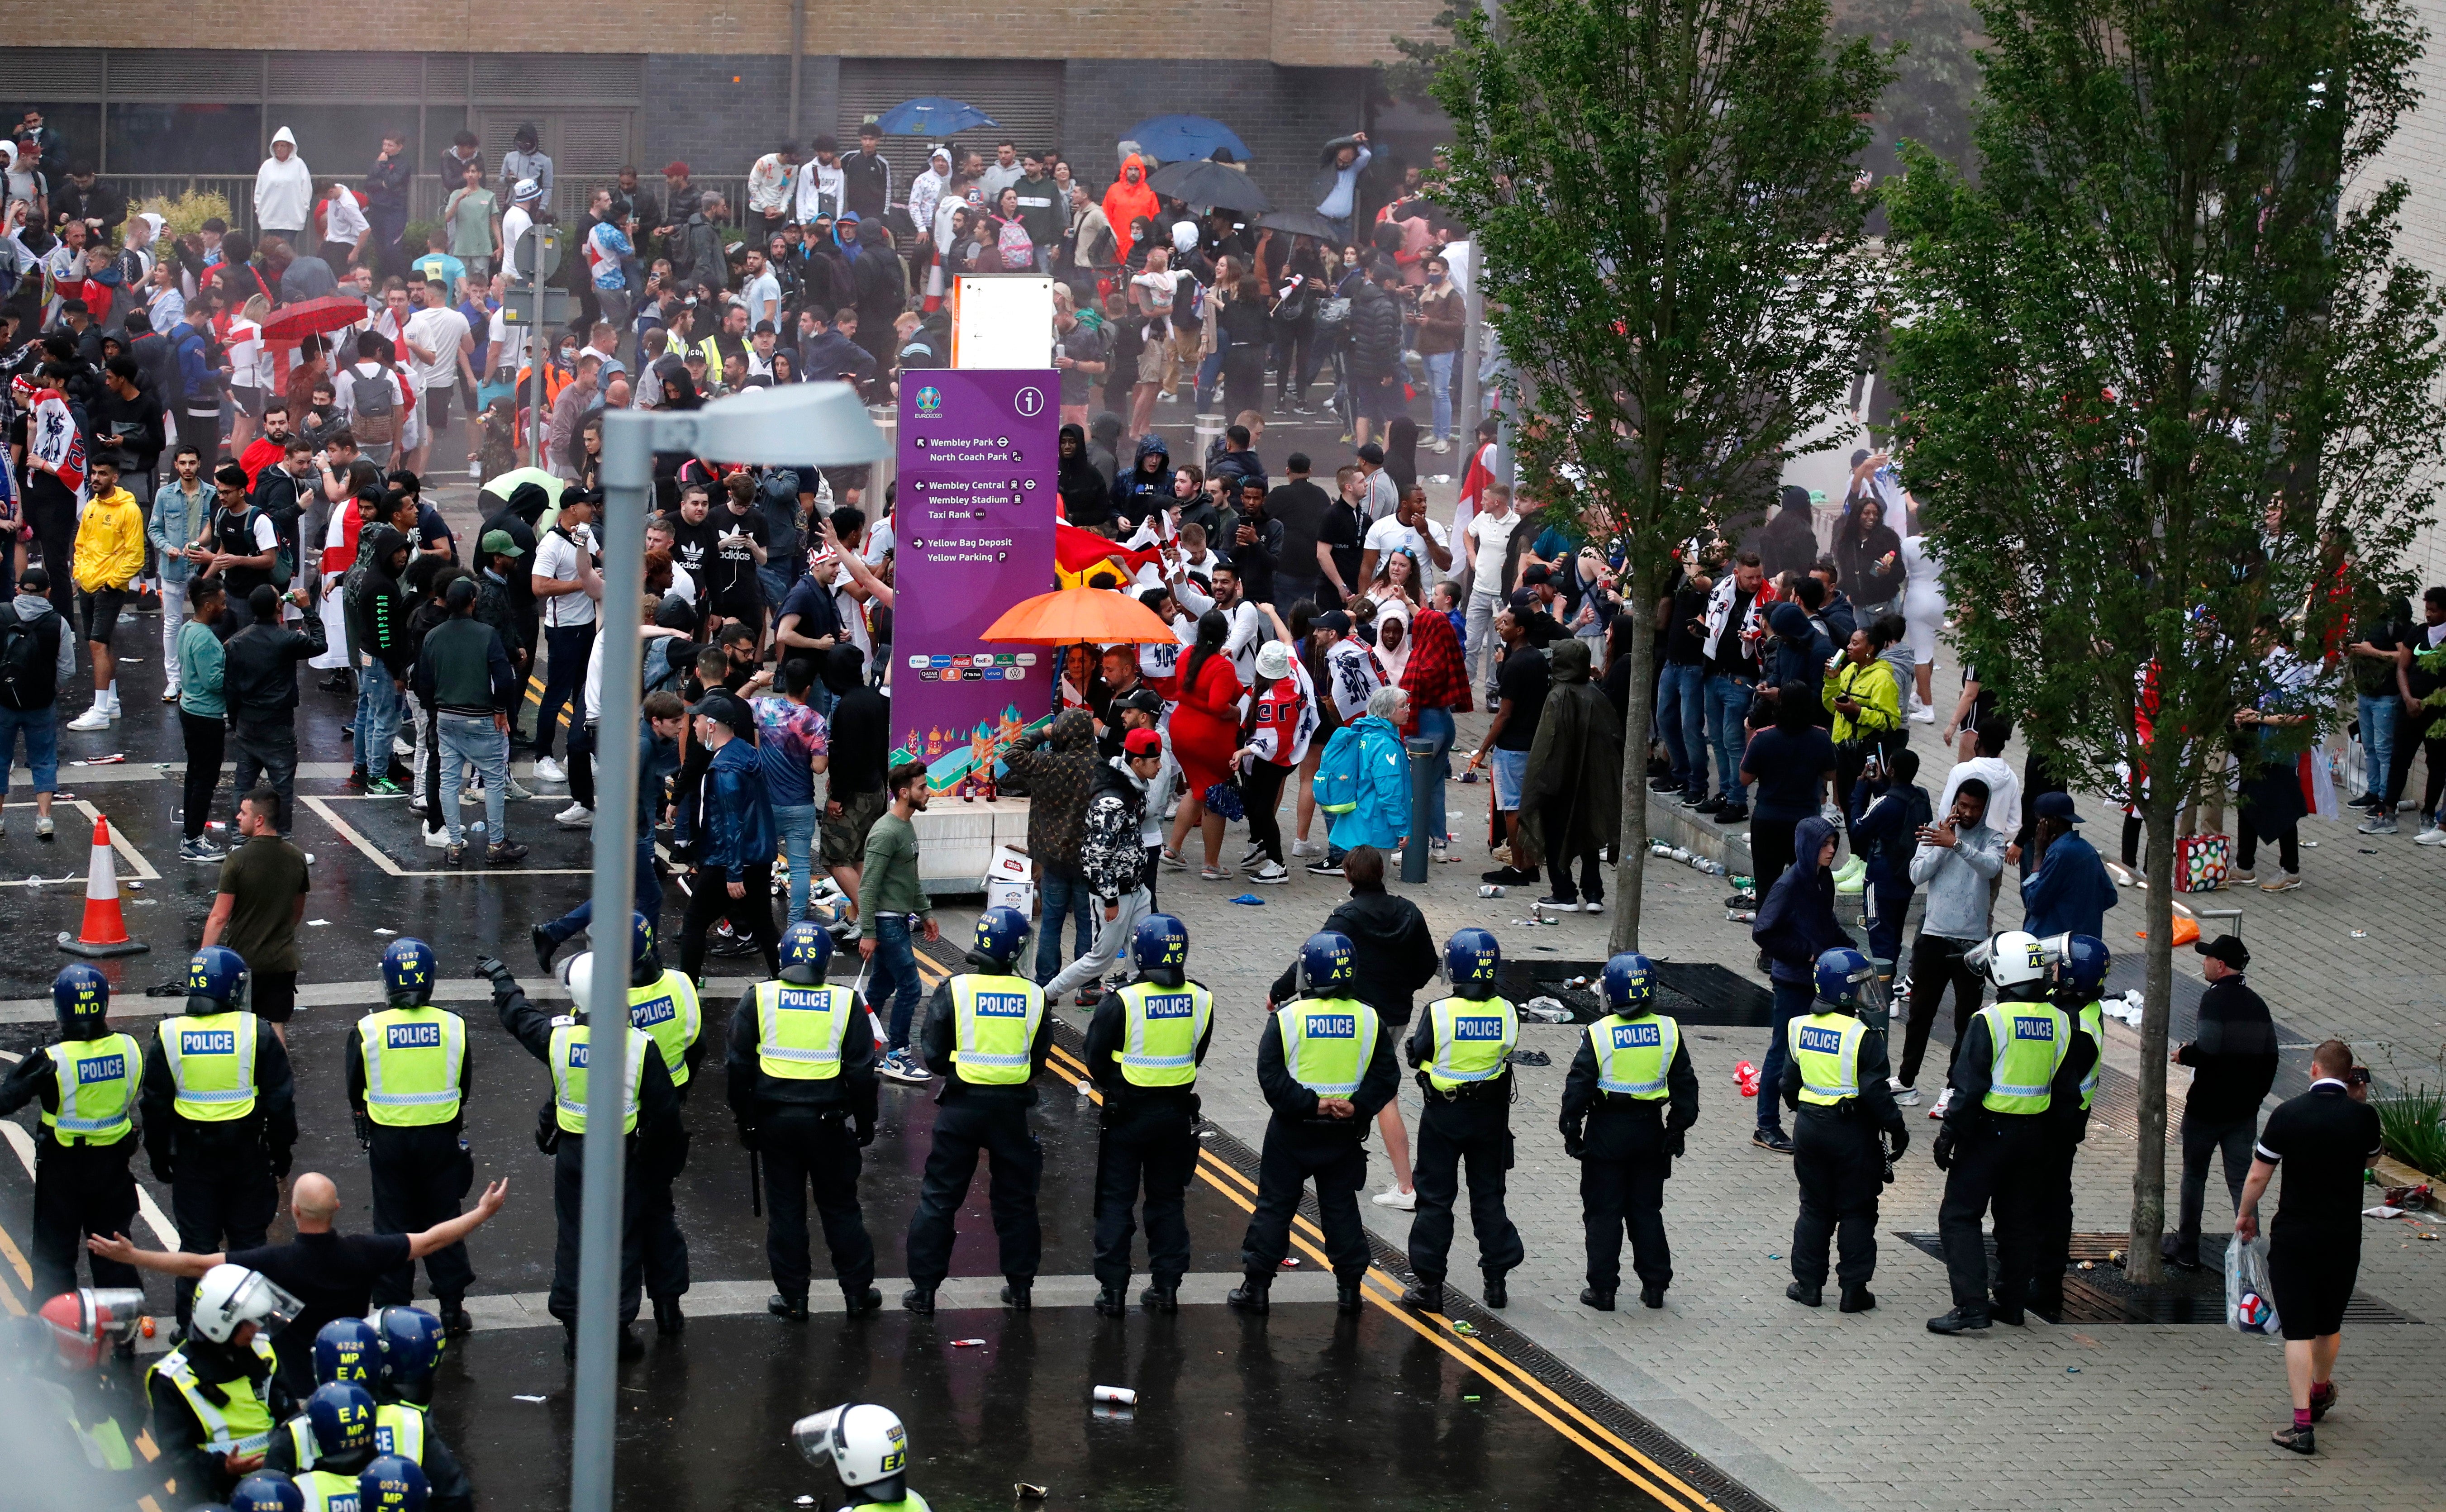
point(1789, 542)
point(1796, 923)
point(259, 683)
point(1104, 446)
point(1147, 487)
point(380, 608)
point(882, 289)
point(1086, 497)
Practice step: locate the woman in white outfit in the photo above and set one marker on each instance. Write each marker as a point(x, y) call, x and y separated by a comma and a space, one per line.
point(1922, 614)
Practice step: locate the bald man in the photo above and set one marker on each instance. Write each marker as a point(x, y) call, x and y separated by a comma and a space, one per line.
point(333, 1274)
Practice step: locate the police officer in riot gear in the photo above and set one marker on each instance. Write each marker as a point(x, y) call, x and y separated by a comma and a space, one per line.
point(1834, 1077)
point(989, 1026)
point(409, 1074)
point(220, 1112)
point(801, 1075)
point(866, 1446)
point(2077, 979)
point(1144, 1047)
point(657, 1145)
point(214, 1398)
point(663, 1003)
point(351, 1352)
point(85, 1088)
point(341, 1418)
point(1626, 1101)
point(1325, 1062)
point(2019, 1060)
point(1460, 1050)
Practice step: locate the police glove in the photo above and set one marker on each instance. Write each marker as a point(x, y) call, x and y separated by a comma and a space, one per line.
point(1900, 1138)
point(1675, 1141)
point(865, 1132)
point(281, 1161)
point(1945, 1141)
point(496, 971)
point(746, 1135)
point(1573, 1146)
point(165, 1170)
point(364, 1128)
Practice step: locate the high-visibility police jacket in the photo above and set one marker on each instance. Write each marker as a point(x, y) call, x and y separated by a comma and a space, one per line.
point(1472, 1040)
point(412, 1058)
point(1826, 1046)
point(2092, 1018)
point(2028, 1044)
point(1634, 1053)
point(568, 1058)
point(210, 1058)
point(800, 1030)
point(96, 1082)
point(1161, 1029)
point(995, 1019)
point(1327, 1043)
point(236, 1415)
point(399, 1429)
point(328, 1491)
point(667, 1007)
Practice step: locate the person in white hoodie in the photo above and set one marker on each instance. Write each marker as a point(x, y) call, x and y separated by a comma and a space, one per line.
point(284, 191)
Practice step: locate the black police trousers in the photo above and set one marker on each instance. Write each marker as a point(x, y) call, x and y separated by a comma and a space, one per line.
point(419, 1176)
point(1841, 1171)
point(568, 1205)
point(1998, 1163)
point(1294, 1153)
point(2052, 1215)
point(220, 1201)
point(1619, 1195)
point(807, 1148)
point(1479, 1129)
point(1148, 1143)
point(962, 1130)
point(81, 1189)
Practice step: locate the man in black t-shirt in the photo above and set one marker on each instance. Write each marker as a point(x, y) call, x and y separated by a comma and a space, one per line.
point(2325, 1139)
point(1520, 683)
point(1344, 535)
point(742, 536)
point(695, 537)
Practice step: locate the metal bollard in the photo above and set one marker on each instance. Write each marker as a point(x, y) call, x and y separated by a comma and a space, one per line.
point(1422, 791)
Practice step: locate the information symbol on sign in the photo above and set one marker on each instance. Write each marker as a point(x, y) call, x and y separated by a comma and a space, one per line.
point(1028, 402)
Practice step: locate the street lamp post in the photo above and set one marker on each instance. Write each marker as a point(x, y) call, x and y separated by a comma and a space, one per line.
point(804, 424)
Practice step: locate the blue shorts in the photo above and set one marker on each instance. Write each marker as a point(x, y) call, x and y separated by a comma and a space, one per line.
point(1509, 767)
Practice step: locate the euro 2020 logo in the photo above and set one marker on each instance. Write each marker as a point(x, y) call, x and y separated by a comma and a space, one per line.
point(929, 400)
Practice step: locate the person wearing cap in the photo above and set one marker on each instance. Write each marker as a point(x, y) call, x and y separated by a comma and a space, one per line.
point(526, 197)
point(1113, 854)
point(284, 192)
point(2233, 1057)
point(2069, 892)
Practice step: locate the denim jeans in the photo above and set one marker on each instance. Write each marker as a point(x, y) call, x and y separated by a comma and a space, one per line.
point(796, 822)
point(1066, 893)
point(377, 719)
point(1791, 999)
point(471, 738)
point(1682, 719)
point(1439, 371)
point(1209, 373)
point(1437, 724)
point(41, 728)
point(2378, 712)
point(894, 971)
point(1728, 705)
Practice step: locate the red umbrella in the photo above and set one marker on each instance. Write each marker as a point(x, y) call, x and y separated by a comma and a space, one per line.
point(293, 323)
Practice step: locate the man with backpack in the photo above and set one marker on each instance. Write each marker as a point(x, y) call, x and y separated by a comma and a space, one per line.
point(373, 397)
point(36, 659)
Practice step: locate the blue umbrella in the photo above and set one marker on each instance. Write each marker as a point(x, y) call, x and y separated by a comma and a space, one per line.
point(1186, 138)
point(933, 116)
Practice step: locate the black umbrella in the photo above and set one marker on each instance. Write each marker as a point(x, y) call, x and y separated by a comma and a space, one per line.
point(1301, 223)
point(1208, 183)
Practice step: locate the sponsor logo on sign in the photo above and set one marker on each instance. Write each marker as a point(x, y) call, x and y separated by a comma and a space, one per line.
point(207, 1042)
point(104, 1069)
point(929, 400)
point(1001, 1004)
point(1635, 1036)
point(1172, 1005)
point(1332, 1026)
point(1477, 1028)
point(1827, 1041)
point(413, 1036)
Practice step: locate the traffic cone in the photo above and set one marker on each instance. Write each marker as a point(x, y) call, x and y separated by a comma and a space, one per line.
point(104, 931)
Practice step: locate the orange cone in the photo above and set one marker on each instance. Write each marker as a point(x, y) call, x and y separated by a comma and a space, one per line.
point(104, 931)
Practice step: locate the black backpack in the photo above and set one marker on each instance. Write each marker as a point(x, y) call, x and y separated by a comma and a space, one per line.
point(28, 674)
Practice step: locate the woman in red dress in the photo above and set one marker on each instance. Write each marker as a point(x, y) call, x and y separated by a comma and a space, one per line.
point(1205, 732)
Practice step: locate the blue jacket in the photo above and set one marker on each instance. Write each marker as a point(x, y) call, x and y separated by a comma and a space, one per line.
point(2070, 891)
point(1885, 831)
point(198, 381)
point(1797, 919)
point(737, 815)
point(657, 758)
point(1382, 815)
point(1796, 660)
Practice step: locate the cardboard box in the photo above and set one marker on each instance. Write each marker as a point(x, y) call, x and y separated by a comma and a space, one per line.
point(1010, 881)
point(1020, 896)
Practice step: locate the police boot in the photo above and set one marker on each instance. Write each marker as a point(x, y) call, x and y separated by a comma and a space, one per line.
point(668, 1317)
point(1806, 1294)
point(919, 1299)
point(857, 1300)
point(1163, 1297)
point(1495, 1295)
point(1254, 1293)
point(2008, 1314)
point(1601, 1300)
point(456, 1324)
point(1345, 1294)
point(1857, 1299)
point(1015, 1294)
point(1426, 1293)
point(1112, 1302)
point(782, 1305)
point(1651, 1296)
point(1961, 1320)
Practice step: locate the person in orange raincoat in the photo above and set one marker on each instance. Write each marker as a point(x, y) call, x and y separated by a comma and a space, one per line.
point(1128, 198)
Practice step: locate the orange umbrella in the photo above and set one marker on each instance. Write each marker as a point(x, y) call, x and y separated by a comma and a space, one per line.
point(1070, 615)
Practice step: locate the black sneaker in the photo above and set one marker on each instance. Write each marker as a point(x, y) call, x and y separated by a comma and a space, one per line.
point(1737, 814)
point(2298, 1437)
point(1961, 1320)
point(1507, 876)
point(1323, 868)
point(544, 947)
point(1651, 1296)
point(1662, 785)
point(1709, 805)
point(1773, 1139)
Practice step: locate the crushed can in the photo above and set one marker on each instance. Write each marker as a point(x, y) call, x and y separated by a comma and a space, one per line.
point(1745, 1076)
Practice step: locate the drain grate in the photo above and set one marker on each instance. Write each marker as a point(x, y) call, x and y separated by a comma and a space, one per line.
point(1698, 993)
point(2101, 1293)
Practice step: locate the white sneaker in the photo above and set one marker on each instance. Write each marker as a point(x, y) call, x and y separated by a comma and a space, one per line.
point(1923, 715)
point(438, 839)
point(98, 717)
point(1906, 1096)
point(1271, 872)
point(43, 827)
point(2433, 834)
point(576, 816)
point(1305, 847)
point(1394, 1198)
point(1943, 1101)
point(548, 770)
point(1249, 857)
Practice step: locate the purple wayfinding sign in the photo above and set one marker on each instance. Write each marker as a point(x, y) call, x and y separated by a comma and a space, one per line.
point(978, 456)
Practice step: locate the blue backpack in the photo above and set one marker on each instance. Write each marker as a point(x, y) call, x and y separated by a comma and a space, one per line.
point(1336, 784)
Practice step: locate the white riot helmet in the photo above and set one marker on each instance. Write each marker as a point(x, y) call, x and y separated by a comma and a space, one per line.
point(864, 1443)
point(577, 975)
point(2015, 958)
point(232, 1294)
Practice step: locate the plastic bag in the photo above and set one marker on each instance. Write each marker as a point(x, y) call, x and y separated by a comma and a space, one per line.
point(2250, 1301)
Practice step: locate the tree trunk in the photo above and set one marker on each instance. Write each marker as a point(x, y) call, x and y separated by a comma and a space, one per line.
point(1639, 713)
point(2142, 1264)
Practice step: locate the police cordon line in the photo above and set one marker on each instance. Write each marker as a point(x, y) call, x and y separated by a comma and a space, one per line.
point(215, 1097)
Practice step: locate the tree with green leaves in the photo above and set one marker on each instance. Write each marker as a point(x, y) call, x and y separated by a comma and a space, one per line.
point(2167, 395)
point(1667, 216)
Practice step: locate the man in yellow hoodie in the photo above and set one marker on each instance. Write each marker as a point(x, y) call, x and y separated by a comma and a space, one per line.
point(109, 554)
